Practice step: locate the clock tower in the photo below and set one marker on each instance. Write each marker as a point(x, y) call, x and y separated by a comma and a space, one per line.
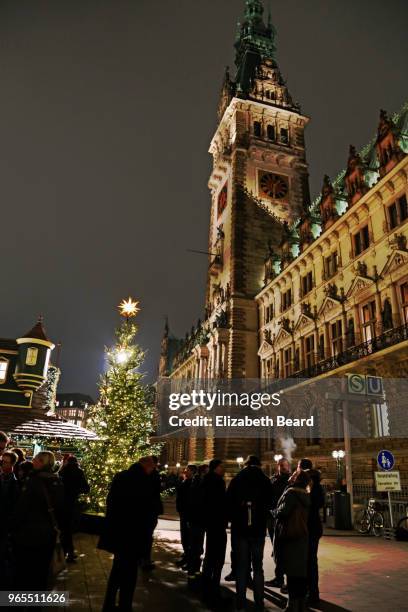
point(259, 186)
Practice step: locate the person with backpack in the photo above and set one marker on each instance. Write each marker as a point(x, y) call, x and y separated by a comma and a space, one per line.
point(249, 500)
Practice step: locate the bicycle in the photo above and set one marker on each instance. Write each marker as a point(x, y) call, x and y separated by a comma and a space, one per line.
point(371, 518)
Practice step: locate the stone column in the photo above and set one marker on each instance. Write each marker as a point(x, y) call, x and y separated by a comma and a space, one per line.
point(378, 317)
point(327, 344)
point(396, 314)
point(302, 353)
point(357, 324)
point(344, 328)
point(316, 345)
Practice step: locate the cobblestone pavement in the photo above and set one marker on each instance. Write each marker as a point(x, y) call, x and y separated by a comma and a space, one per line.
point(358, 574)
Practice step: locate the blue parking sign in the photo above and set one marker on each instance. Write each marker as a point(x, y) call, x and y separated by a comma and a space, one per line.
point(385, 460)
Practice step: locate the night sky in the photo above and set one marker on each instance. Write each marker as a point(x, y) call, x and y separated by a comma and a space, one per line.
point(107, 109)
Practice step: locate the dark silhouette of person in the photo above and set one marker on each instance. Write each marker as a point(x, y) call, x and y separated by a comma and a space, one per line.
point(183, 507)
point(317, 501)
point(197, 528)
point(147, 563)
point(215, 522)
point(131, 515)
point(279, 483)
point(9, 493)
point(38, 512)
point(75, 484)
point(291, 539)
point(249, 499)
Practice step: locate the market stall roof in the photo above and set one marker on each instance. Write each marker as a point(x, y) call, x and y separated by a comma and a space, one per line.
point(21, 423)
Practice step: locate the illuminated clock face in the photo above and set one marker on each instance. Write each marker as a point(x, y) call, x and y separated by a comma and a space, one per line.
point(273, 185)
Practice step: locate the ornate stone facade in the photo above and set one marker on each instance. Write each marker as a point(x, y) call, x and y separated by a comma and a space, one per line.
point(294, 288)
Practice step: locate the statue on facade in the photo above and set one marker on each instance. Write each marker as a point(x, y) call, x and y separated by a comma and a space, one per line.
point(286, 246)
point(386, 315)
point(362, 269)
point(221, 320)
point(350, 334)
point(305, 230)
point(354, 179)
point(328, 210)
point(269, 264)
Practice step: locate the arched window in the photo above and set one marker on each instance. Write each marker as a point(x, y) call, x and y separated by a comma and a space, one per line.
point(257, 129)
point(4, 363)
point(271, 132)
point(284, 136)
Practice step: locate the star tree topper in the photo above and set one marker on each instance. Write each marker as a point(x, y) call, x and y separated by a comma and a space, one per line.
point(128, 308)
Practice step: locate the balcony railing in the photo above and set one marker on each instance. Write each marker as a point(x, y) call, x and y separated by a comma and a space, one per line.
point(388, 338)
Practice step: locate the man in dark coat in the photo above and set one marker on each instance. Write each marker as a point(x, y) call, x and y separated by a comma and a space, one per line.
point(148, 564)
point(34, 534)
point(183, 507)
point(9, 493)
point(249, 499)
point(196, 523)
point(215, 523)
point(279, 483)
point(317, 500)
point(75, 484)
point(131, 514)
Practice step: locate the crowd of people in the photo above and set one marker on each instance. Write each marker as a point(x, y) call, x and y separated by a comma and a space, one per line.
point(287, 506)
point(38, 510)
point(39, 506)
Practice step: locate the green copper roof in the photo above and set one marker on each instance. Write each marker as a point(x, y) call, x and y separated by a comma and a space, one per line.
point(369, 156)
point(255, 41)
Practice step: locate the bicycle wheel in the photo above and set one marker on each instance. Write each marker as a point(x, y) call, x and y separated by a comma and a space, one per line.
point(378, 524)
point(403, 523)
point(402, 530)
point(363, 522)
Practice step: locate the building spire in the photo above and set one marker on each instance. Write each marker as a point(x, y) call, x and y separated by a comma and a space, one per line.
point(253, 10)
point(253, 35)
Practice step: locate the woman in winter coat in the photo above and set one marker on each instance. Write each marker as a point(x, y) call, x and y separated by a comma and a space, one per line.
point(290, 546)
point(34, 534)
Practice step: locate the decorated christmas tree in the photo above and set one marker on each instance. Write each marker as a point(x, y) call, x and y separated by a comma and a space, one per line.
point(123, 417)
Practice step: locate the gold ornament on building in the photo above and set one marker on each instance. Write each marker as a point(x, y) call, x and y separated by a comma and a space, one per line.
point(128, 308)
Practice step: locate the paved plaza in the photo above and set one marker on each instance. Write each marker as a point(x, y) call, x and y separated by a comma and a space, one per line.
point(358, 574)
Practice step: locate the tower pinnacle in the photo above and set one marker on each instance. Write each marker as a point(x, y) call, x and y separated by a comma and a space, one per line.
point(253, 10)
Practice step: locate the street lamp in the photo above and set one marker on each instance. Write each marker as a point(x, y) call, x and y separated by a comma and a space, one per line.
point(278, 457)
point(166, 467)
point(240, 461)
point(339, 455)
